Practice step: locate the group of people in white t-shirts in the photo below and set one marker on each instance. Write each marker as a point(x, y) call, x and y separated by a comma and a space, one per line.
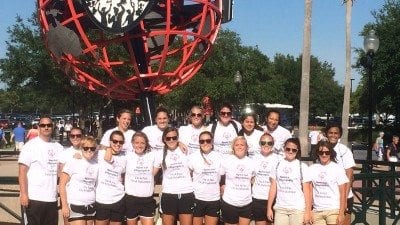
point(227, 171)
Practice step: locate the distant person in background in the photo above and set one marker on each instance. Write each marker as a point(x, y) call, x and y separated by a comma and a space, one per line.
point(378, 146)
point(67, 128)
point(392, 150)
point(313, 139)
point(33, 132)
point(2, 137)
point(279, 133)
point(18, 134)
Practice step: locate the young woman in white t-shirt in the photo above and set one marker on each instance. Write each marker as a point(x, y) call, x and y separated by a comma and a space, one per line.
point(206, 168)
point(328, 181)
point(252, 132)
point(77, 185)
point(239, 171)
point(264, 163)
point(110, 192)
point(139, 182)
point(290, 188)
point(177, 198)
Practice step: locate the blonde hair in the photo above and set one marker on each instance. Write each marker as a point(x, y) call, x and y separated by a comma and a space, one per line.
point(88, 140)
point(238, 138)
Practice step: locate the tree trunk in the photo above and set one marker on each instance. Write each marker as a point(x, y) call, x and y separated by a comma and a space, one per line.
point(347, 80)
point(305, 80)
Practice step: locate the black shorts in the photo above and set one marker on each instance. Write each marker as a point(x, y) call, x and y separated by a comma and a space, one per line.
point(113, 212)
point(259, 209)
point(350, 202)
point(175, 204)
point(206, 208)
point(81, 212)
point(43, 213)
point(139, 207)
point(231, 214)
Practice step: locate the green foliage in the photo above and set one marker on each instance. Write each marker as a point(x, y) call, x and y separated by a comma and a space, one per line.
point(386, 67)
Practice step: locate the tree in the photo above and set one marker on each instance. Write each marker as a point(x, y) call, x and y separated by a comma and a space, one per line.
point(347, 80)
point(305, 78)
point(386, 67)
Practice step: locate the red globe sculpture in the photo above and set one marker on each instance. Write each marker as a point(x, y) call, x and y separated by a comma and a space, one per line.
point(123, 48)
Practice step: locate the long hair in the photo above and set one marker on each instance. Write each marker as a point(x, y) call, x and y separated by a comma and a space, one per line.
point(295, 141)
point(166, 131)
point(146, 139)
point(201, 151)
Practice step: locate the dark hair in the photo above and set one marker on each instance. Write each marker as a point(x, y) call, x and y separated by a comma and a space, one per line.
point(295, 141)
point(332, 125)
point(122, 111)
point(117, 132)
point(267, 134)
point(201, 151)
point(166, 131)
point(77, 128)
point(273, 111)
point(256, 126)
point(144, 136)
point(327, 145)
point(226, 105)
point(162, 109)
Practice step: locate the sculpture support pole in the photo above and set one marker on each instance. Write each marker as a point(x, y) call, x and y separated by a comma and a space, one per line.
point(148, 106)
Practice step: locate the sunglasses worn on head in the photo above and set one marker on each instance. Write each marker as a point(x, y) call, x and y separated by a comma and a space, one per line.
point(43, 125)
point(269, 143)
point(173, 138)
point(196, 115)
point(323, 152)
point(72, 136)
point(208, 141)
point(294, 150)
point(89, 148)
point(118, 142)
point(225, 113)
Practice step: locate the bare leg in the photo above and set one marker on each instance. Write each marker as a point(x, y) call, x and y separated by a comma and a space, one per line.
point(210, 220)
point(185, 219)
point(167, 219)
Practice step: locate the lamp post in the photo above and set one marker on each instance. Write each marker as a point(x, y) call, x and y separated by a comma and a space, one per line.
point(371, 45)
point(237, 79)
point(73, 86)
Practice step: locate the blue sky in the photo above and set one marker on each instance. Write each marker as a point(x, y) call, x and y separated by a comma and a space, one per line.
point(275, 26)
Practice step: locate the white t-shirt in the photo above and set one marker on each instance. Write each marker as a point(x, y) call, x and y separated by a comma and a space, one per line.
point(189, 135)
point(42, 159)
point(176, 176)
point(110, 188)
point(253, 141)
point(206, 175)
point(139, 178)
point(313, 135)
point(68, 127)
point(223, 137)
point(264, 165)
point(82, 184)
point(345, 158)
point(326, 180)
point(280, 135)
point(154, 134)
point(289, 179)
point(67, 154)
point(105, 140)
point(238, 175)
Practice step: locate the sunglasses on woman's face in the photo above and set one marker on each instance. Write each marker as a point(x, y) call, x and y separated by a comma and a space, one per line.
point(324, 153)
point(117, 142)
point(294, 150)
point(172, 138)
point(269, 143)
point(89, 149)
point(208, 141)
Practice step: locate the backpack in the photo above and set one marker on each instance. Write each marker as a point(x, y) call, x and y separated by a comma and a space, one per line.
point(214, 126)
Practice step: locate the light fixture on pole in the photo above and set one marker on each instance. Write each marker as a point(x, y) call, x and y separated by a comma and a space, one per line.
point(237, 79)
point(371, 45)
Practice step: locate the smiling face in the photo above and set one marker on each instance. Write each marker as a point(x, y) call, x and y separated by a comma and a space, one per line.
point(116, 143)
point(206, 142)
point(272, 121)
point(196, 117)
point(333, 135)
point(139, 144)
point(162, 120)
point(225, 115)
point(240, 147)
point(124, 121)
point(75, 137)
point(249, 123)
point(291, 150)
point(267, 144)
point(171, 140)
point(324, 155)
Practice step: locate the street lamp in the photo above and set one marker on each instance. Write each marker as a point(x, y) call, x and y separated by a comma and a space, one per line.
point(371, 45)
point(237, 79)
point(73, 84)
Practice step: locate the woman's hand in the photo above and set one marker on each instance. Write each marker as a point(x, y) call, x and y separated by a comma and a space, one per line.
point(270, 214)
point(65, 211)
